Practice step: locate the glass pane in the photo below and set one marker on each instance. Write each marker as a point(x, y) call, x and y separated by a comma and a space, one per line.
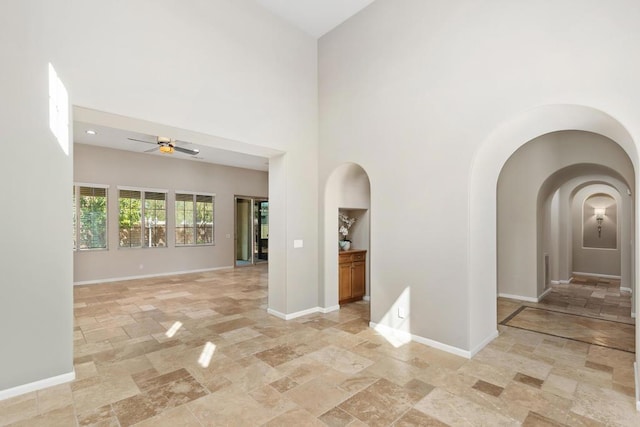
point(93, 218)
point(204, 218)
point(155, 220)
point(130, 219)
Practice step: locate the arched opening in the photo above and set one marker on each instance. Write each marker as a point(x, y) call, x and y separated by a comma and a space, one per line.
point(347, 192)
point(552, 254)
point(526, 209)
point(488, 163)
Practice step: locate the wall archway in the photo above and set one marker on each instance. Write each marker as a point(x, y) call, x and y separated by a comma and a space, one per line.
point(347, 187)
point(483, 177)
point(559, 227)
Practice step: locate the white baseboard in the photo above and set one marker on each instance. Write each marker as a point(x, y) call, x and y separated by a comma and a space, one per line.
point(301, 313)
point(637, 381)
point(366, 298)
point(626, 289)
point(484, 343)
point(544, 294)
point(148, 276)
point(603, 276)
point(555, 282)
point(326, 310)
point(526, 299)
point(633, 315)
point(518, 297)
point(407, 336)
point(37, 385)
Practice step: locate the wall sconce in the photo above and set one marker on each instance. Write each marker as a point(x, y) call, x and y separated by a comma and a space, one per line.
point(600, 213)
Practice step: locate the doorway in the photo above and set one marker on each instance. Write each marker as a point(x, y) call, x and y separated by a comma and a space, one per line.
point(252, 231)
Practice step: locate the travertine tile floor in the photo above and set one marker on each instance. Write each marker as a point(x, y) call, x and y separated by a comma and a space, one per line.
point(319, 370)
point(591, 296)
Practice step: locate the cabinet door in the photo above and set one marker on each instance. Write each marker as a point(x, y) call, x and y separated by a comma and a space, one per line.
point(358, 279)
point(344, 281)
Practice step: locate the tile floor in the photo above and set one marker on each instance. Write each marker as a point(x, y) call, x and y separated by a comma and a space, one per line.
point(228, 363)
point(591, 296)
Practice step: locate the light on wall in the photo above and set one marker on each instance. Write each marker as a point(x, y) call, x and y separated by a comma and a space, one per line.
point(599, 213)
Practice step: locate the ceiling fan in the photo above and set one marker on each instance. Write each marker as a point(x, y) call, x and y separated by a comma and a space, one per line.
point(168, 146)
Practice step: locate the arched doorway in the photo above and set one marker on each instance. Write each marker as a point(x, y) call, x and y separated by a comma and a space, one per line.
point(488, 163)
point(347, 191)
point(526, 211)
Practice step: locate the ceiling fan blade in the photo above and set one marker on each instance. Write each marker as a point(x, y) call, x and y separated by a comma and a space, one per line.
point(151, 149)
point(139, 140)
point(193, 152)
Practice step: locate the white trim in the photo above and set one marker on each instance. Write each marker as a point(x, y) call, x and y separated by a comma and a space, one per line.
point(293, 315)
point(637, 381)
point(544, 294)
point(384, 329)
point(484, 343)
point(37, 385)
point(147, 276)
point(87, 184)
point(604, 276)
point(624, 288)
point(328, 309)
point(518, 297)
point(633, 315)
point(555, 282)
point(566, 282)
point(366, 298)
point(142, 189)
point(277, 314)
point(194, 193)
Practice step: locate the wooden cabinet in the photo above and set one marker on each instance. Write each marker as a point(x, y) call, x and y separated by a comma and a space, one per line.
point(352, 275)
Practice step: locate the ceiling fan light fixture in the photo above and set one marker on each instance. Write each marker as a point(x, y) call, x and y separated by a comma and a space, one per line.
point(166, 149)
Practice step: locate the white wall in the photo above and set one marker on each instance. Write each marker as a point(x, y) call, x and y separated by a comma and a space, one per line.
point(123, 168)
point(36, 307)
point(228, 69)
point(431, 98)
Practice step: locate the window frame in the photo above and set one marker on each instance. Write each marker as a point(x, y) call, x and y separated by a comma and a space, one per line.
point(143, 210)
point(77, 214)
point(194, 228)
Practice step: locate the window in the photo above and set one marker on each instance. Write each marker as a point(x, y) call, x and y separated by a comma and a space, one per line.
point(155, 219)
point(142, 218)
point(89, 217)
point(194, 219)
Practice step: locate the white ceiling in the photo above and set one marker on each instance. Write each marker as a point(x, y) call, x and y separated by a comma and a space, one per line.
point(315, 17)
point(118, 139)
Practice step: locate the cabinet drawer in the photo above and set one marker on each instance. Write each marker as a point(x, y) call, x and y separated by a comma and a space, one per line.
point(344, 258)
point(359, 257)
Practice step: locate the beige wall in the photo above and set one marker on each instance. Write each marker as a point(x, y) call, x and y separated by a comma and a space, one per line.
point(588, 258)
point(607, 237)
point(115, 168)
point(423, 94)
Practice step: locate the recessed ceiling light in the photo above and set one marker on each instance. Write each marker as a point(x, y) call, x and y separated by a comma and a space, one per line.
point(91, 132)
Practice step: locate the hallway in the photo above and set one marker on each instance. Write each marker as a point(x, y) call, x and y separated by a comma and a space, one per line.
point(200, 350)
